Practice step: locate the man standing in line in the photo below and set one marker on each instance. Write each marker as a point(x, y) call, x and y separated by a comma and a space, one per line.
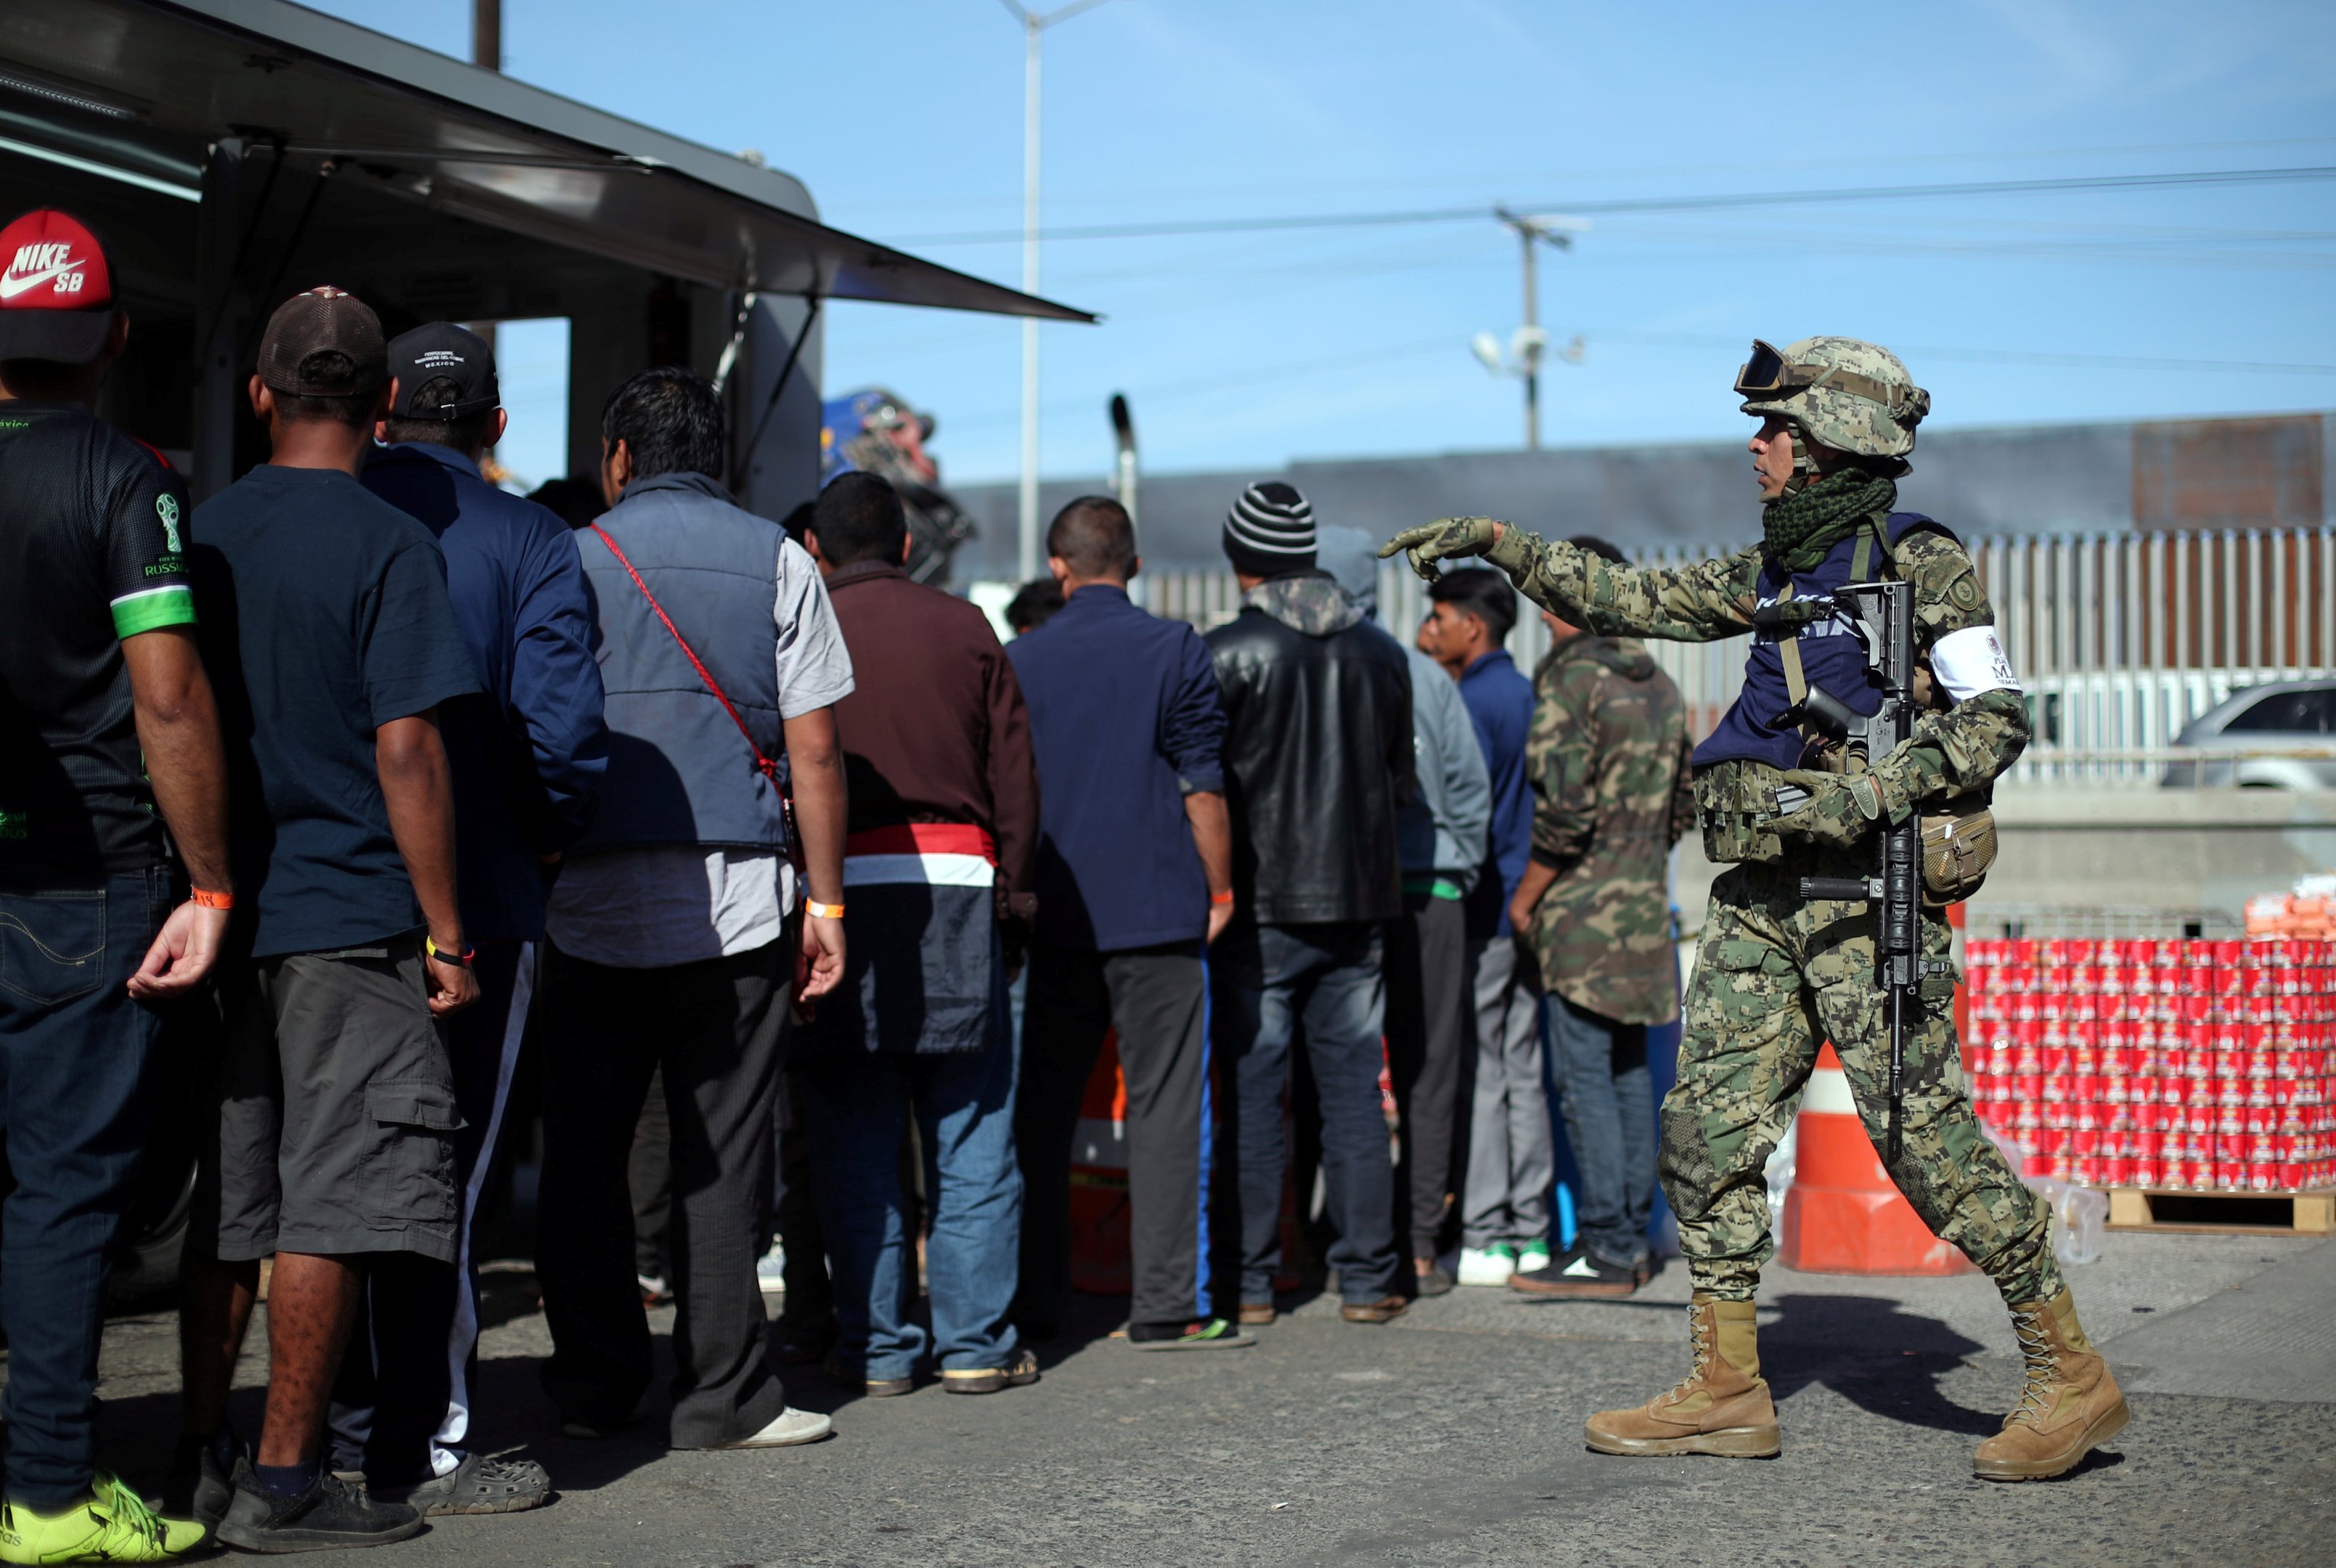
point(327, 620)
point(526, 754)
point(1135, 880)
point(670, 928)
point(1612, 796)
point(1511, 1157)
point(1440, 835)
point(1318, 755)
point(1838, 421)
point(944, 824)
point(106, 719)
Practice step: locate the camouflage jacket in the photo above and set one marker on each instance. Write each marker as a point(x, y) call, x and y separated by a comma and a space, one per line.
point(1958, 748)
point(1607, 759)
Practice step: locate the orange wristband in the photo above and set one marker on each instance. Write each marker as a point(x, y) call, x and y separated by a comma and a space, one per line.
point(205, 899)
point(1225, 897)
point(823, 912)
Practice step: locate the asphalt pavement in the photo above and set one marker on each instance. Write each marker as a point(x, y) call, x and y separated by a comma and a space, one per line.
point(1452, 1437)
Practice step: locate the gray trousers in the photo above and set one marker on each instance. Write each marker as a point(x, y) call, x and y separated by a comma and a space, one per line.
point(1156, 998)
point(716, 1028)
point(1511, 1157)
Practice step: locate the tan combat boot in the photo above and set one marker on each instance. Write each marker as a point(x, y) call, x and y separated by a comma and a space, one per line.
point(1723, 1406)
point(2069, 1403)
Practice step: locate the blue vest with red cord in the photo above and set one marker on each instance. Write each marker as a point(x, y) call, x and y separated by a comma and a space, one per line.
point(1834, 655)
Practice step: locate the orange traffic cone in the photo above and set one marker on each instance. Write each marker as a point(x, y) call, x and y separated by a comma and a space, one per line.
point(1843, 1214)
point(1100, 1262)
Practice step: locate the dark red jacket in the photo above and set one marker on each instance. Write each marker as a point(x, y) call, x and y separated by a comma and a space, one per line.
point(934, 730)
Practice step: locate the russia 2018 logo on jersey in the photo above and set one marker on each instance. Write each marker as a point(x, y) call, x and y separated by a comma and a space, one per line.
point(166, 507)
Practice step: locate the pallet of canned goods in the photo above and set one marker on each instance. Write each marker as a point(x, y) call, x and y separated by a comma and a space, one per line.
point(2160, 1065)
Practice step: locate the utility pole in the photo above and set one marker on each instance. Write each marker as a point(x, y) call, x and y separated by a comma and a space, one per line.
point(1526, 347)
point(1034, 23)
point(487, 33)
point(487, 53)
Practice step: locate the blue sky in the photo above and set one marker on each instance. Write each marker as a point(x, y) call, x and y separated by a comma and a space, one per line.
point(904, 118)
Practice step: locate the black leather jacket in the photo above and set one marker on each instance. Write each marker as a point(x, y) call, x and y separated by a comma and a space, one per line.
point(1317, 754)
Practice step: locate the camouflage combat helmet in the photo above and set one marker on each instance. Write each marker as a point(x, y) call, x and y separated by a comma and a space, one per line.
point(1842, 393)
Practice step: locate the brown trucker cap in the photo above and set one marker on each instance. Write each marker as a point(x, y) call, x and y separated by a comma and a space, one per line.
point(324, 318)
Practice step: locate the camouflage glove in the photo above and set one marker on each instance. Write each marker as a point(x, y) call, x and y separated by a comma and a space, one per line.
point(1843, 809)
point(1453, 538)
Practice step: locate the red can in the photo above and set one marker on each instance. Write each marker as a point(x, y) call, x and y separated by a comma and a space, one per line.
point(2089, 1171)
point(2292, 1175)
point(2147, 1173)
point(2118, 1170)
point(2147, 1143)
point(2230, 1148)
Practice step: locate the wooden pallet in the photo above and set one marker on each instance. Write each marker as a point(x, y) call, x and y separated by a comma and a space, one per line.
point(2308, 1213)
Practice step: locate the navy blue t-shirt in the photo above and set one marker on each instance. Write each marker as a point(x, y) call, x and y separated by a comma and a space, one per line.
point(323, 616)
point(1500, 704)
point(1126, 720)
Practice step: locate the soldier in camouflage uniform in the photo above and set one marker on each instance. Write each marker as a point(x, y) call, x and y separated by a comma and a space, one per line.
point(1607, 759)
point(1774, 974)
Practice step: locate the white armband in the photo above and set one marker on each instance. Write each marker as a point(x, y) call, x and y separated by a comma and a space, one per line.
point(1972, 661)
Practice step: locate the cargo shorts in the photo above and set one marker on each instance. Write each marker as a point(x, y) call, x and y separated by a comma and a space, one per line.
point(332, 1129)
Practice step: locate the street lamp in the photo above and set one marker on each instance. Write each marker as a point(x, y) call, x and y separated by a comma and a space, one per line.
point(1033, 23)
point(1530, 341)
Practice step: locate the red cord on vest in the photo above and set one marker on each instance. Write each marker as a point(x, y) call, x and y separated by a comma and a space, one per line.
point(763, 764)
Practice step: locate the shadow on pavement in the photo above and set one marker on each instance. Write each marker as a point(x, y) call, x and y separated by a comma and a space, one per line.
point(1874, 1353)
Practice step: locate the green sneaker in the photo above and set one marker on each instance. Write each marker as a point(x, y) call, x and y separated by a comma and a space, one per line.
point(1532, 1255)
point(113, 1524)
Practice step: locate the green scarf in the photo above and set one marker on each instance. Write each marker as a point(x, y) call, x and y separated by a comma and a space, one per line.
point(1797, 530)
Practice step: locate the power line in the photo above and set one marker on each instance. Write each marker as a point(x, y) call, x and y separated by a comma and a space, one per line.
point(1448, 344)
point(1173, 227)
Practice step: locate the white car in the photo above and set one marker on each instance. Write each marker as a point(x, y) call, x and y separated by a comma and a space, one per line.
point(2279, 735)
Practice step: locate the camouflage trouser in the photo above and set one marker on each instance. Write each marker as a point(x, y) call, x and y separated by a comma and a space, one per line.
point(1774, 978)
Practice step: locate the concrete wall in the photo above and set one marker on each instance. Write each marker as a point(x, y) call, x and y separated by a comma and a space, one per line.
point(2033, 478)
point(2155, 849)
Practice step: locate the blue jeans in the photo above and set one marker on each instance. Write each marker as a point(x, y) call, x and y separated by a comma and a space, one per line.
point(1271, 979)
point(75, 1058)
point(1608, 1097)
point(964, 1105)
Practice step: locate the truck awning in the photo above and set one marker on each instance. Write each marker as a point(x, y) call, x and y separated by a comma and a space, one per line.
point(140, 89)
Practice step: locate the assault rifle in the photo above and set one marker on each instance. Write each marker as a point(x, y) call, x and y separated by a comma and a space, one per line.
point(1895, 889)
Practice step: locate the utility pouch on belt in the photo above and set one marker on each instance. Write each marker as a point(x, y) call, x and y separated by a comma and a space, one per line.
point(1958, 848)
point(1737, 803)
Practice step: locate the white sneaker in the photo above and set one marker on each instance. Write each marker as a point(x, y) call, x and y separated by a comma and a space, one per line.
point(1490, 1265)
point(771, 1271)
point(791, 1426)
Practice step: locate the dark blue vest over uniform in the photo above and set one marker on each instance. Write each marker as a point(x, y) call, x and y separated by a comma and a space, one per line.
point(1833, 657)
point(679, 772)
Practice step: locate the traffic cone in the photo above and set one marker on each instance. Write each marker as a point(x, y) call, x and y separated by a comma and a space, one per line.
point(1100, 1259)
point(1843, 1214)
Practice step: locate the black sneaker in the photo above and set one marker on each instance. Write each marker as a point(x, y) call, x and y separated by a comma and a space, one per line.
point(1581, 1272)
point(331, 1514)
point(199, 1486)
point(1208, 1334)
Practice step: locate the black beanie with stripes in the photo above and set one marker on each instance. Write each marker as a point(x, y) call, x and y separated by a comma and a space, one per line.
point(1270, 531)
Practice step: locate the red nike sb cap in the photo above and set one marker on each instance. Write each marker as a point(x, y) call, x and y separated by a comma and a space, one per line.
point(57, 296)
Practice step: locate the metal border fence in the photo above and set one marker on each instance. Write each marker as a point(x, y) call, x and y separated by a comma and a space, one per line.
point(2120, 639)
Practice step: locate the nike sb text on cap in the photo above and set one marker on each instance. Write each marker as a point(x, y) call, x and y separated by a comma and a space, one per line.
point(324, 320)
point(56, 297)
point(427, 359)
